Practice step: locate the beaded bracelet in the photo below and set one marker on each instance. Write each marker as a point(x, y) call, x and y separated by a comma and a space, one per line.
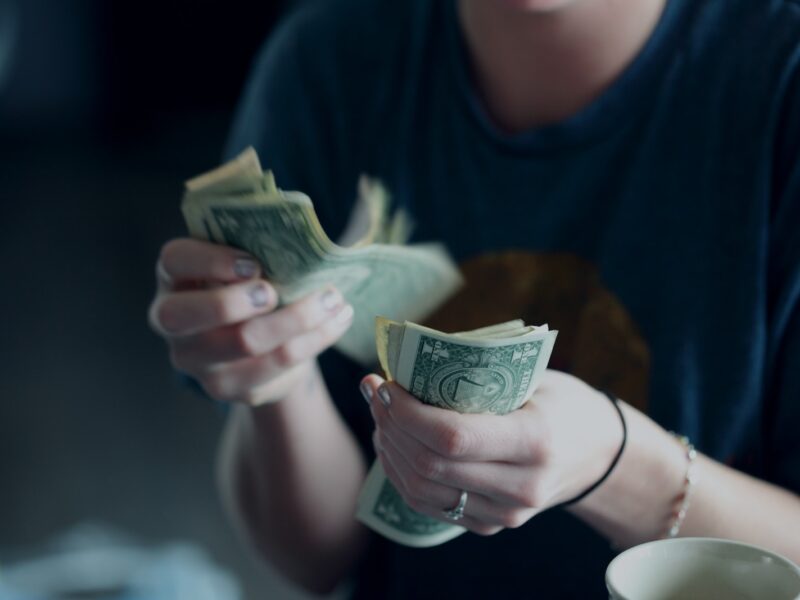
point(683, 499)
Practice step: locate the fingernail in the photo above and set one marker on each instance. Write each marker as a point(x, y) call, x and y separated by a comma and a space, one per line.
point(330, 300)
point(259, 295)
point(366, 391)
point(245, 267)
point(383, 394)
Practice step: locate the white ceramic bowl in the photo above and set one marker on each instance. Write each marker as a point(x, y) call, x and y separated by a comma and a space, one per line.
point(700, 569)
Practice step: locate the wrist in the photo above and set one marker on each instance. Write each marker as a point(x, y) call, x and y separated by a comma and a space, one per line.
point(296, 382)
point(613, 454)
point(637, 500)
point(292, 404)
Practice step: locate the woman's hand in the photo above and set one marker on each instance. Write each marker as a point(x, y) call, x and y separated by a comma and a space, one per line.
point(220, 321)
point(513, 466)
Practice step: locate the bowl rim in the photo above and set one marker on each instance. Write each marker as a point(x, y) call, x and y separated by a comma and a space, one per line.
point(690, 541)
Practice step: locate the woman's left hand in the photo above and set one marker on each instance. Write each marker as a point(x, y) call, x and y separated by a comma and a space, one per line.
point(512, 466)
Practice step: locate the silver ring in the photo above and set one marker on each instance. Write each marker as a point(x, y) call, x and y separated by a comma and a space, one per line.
point(457, 512)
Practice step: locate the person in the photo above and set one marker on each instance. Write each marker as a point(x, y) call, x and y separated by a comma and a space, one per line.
point(627, 170)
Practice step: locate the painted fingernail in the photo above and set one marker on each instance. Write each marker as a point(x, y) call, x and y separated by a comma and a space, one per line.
point(259, 294)
point(245, 267)
point(383, 394)
point(366, 391)
point(330, 300)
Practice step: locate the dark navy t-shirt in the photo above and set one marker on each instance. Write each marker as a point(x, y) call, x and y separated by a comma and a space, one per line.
point(657, 229)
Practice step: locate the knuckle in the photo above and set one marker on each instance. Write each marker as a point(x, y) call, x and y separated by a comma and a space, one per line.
point(540, 446)
point(513, 519)
point(453, 441)
point(300, 316)
point(299, 350)
point(485, 530)
point(531, 447)
point(218, 386)
point(543, 450)
point(284, 355)
point(546, 452)
point(427, 465)
point(528, 495)
point(247, 339)
point(219, 307)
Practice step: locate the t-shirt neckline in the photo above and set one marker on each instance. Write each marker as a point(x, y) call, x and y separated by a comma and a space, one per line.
point(612, 109)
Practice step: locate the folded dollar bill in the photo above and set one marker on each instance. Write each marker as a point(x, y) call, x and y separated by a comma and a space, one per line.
point(239, 205)
point(489, 370)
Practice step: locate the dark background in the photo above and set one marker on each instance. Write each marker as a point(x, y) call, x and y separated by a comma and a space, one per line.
point(105, 108)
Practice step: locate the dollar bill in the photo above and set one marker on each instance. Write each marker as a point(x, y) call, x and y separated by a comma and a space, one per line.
point(239, 205)
point(489, 370)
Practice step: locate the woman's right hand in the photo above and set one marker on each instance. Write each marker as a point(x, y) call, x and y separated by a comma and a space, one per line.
point(219, 319)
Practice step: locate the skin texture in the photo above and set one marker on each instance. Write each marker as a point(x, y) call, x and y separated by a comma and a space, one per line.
point(534, 62)
point(536, 6)
point(222, 327)
point(512, 466)
point(537, 62)
point(520, 464)
point(224, 330)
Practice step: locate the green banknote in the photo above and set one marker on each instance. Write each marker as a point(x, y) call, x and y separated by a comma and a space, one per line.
point(489, 370)
point(240, 206)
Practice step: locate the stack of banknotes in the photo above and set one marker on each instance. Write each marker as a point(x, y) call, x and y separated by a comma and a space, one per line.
point(493, 369)
point(239, 205)
point(489, 370)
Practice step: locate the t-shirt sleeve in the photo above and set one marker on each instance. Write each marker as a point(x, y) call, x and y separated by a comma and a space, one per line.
point(782, 414)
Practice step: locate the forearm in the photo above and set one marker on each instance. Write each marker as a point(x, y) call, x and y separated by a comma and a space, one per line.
point(731, 504)
point(634, 505)
point(290, 473)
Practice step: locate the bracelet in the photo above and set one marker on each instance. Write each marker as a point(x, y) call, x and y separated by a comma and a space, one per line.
point(614, 462)
point(678, 515)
